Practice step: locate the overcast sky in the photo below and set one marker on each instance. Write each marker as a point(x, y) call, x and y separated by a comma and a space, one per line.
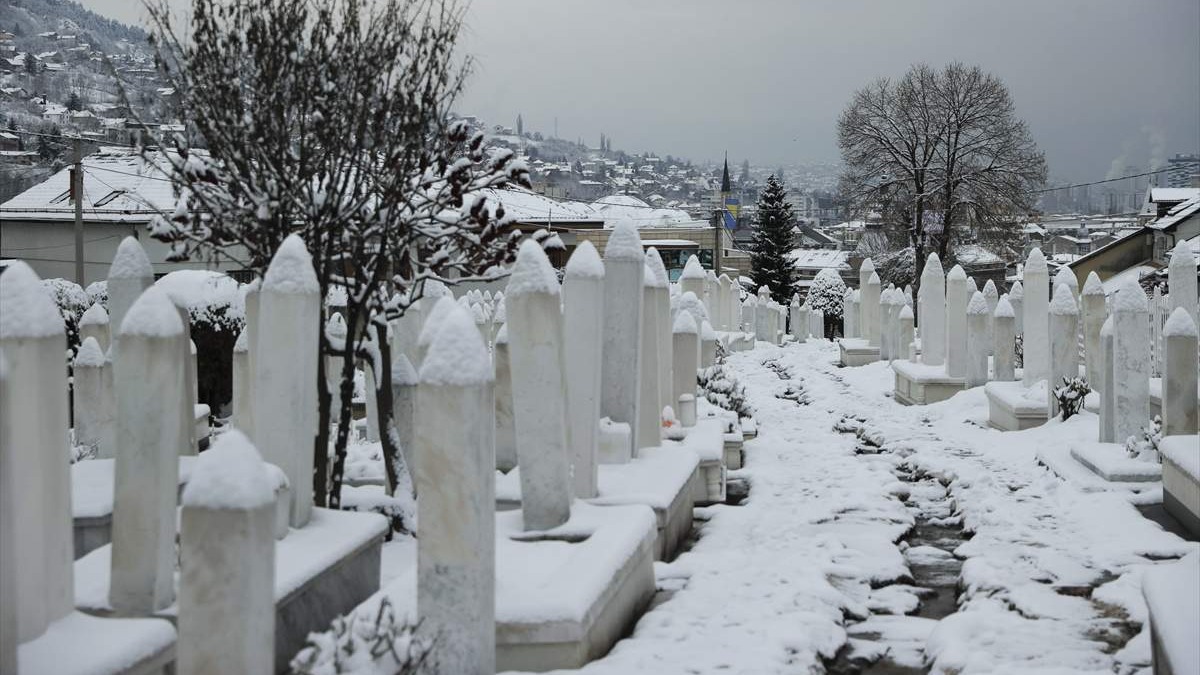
point(1103, 84)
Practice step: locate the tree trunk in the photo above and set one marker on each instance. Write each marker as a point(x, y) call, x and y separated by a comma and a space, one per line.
point(392, 459)
point(346, 387)
point(321, 446)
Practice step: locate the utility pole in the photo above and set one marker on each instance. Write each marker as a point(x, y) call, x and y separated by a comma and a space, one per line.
point(718, 224)
point(77, 193)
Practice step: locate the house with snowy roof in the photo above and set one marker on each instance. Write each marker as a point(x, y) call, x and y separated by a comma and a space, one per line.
point(1146, 250)
point(122, 193)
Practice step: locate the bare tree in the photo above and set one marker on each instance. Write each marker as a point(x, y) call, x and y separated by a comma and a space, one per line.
point(942, 155)
point(331, 118)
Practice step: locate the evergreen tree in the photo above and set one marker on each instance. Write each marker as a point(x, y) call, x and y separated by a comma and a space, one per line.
point(770, 261)
point(31, 64)
point(73, 103)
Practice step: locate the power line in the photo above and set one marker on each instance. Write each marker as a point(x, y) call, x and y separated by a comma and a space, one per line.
point(1106, 180)
point(65, 137)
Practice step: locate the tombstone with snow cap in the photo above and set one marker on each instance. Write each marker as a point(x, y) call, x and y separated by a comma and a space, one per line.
point(933, 304)
point(692, 277)
point(977, 340)
point(535, 343)
point(710, 297)
point(1108, 420)
point(818, 323)
point(762, 315)
point(1179, 405)
point(1181, 278)
point(870, 309)
point(147, 378)
point(865, 270)
point(798, 319)
point(1003, 340)
point(9, 578)
point(335, 333)
point(956, 322)
point(724, 290)
point(749, 310)
point(129, 275)
point(1131, 361)
point(624, 266)
point(285, 399)
point(94, 323)
point(33, 413)
point(648, 430)
point(443, 305)
point(849, 324)
point(583, 330)
point(1064, 343)
point(907, 334)
point(243, 376)
point(708, 344)
point(506, 430)
point(456, 553)
point(94, 400)
point(1016, 298)
point(1036, 324)
point(685, 355)
point(992, 296)
point(1065, 276)
point(404, 406)
point(227, 580)
point(1094, 310)
point(662, 299)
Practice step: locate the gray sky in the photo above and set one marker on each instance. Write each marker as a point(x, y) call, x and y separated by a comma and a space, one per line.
point(1102, 84)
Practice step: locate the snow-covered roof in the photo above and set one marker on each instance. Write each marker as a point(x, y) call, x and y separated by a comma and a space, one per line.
point(974, 254)
point(526, 205)
point(1178, 214)
point(820, 258)
point(669, 243)
point(118, 186)
point(1166, 194)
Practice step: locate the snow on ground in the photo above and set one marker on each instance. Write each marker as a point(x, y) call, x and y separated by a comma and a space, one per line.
point(1051, 578)
point(817, 561)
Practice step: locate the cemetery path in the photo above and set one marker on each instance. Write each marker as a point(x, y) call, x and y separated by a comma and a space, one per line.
point(840, 476)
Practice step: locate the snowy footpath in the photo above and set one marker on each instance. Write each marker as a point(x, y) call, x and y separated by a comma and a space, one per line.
point(888, 539)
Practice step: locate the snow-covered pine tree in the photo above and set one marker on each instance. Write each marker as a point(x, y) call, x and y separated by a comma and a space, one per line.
point(770, 260)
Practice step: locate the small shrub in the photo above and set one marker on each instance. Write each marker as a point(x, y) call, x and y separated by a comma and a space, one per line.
point(1070, 396)
point(359, 646)
point(1145, 448)
point(723, 390)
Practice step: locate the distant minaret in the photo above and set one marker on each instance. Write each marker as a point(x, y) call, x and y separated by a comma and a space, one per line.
point(520, 125)
point(729, 204)
point(725, 189)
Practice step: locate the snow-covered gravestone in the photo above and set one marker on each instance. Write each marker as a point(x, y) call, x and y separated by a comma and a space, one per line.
point(865, 270)
point(1108, 424)
point(692, 277)
point(95, 402)
point(818, 323)
point(285, 393)
point(972, 287)
point(583, 330)
point(432, 291)
point(849, 329)
point(1064, 342)
point(243, 375)
point(1004, 340)
point(624, 265)
point(711, 288)
point(249, 338)
point(506, 431)
point(870, 307)
point(749, 309)
point(762, 317)
point(1036, 341)
point(647, 432)
point(956, 322)
point(535, 350)
point(1179, 405)
point(977, 340)
point(94, 323)
point(1016, 298)
point(1181, 280)
point(9, 577)
point(33, 414)
point(905, 320)
point(1131, 361)
point(723, 308)
point(336, 334)
point(992, 296)
point(662, 298)
point(227, 552)
point(708, 344)
point(129, 275)
point(441, 307)
point(456, 552)
point(1094, 312)
point(147, 379)
point(887, 313)
point(798, 319)
point(404, 407)
point(1066, 277)
point(685, 351)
